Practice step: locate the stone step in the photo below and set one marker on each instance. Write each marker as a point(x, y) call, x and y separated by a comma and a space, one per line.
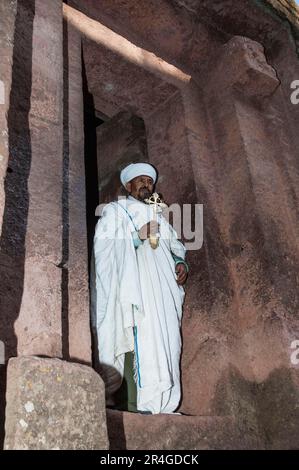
point(134, 431)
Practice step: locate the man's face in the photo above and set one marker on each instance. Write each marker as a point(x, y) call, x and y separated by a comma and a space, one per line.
point(141, 187)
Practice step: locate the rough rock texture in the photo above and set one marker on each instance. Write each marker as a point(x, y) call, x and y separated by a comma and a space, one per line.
point(211, 81)
point(174, 432)
point(6, 44)
point(167, 30)
point(244, 322)
point(122, 83)
point(53, 404)
point(43, 258)
point(120, 141)
point(212, 139)
point(30, 292)
point(76, 322)
point(169, 151)
point(187, 33)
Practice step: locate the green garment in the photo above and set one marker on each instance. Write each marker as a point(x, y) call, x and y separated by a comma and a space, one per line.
point(126, 395)
point(179, 260)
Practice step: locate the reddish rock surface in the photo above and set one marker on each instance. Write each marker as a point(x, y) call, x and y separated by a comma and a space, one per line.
point(212, 141)
point(134, 431)
point(75, 258)
point(210, 82)
point(123, 139)
point(30, 290)
point(6, 44)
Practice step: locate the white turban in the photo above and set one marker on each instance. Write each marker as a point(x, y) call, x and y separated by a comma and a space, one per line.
point(137, 169)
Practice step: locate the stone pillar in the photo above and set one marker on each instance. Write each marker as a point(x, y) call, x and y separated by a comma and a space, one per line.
point(246, 287)
point(54, 405)
point(282, 111)
point(8, 16)
point(76, 319)
point(207, 320)
point(32, 223)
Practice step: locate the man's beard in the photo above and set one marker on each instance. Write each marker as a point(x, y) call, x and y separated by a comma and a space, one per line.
point(144, 193)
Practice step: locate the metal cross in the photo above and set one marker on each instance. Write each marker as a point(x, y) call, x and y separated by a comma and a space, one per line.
point(156, 202)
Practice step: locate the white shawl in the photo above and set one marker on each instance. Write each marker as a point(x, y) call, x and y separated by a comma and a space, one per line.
point(138, 288)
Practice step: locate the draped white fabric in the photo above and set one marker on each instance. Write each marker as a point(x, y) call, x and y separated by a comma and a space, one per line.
point(137, 287)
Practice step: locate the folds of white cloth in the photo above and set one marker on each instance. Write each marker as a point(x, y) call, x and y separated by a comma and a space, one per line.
point(138, 288)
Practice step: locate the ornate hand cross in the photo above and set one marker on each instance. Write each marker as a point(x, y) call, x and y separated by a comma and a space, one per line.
point(156, 202)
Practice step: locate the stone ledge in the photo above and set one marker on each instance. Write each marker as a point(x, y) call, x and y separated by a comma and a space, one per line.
point(135, 431)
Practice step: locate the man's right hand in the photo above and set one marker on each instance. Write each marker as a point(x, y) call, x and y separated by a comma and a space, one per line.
point(151, 228)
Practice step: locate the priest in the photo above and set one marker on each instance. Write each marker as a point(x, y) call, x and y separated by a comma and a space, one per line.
point(138, 299)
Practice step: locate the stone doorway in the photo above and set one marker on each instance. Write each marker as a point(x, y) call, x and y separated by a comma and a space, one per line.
point(134, 115)
point(197, 134)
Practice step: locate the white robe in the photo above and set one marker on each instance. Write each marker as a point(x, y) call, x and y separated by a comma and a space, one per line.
point(138, 288)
